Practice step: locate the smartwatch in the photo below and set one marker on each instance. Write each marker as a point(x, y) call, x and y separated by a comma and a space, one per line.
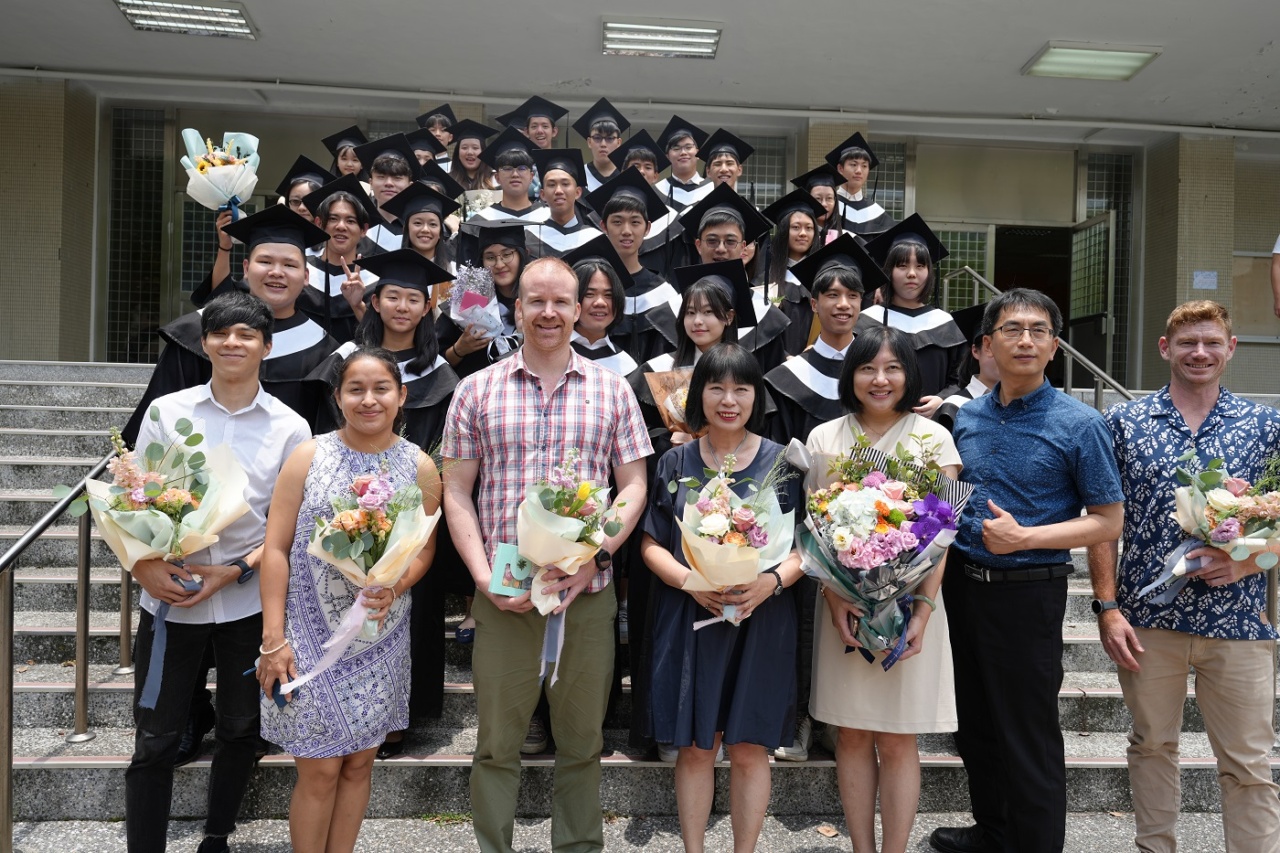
point(1099, 606)
point(777, 590)
point(245, 571)
point(604, 560)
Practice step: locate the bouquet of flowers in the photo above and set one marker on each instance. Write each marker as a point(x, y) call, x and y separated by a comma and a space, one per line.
point(474, 302)
point(727, 540)
point(1215, 509)
point(221, 178)
point(877, 530)
point(670, 389)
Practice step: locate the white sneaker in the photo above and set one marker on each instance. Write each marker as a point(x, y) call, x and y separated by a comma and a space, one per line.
point(799, 749)
point(535, 740)
point(667, 753)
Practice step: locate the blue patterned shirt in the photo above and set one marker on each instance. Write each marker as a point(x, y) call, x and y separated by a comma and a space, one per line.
point(1149, 435)
point(1043, 458)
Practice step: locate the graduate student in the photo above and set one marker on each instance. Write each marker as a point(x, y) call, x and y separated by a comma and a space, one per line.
point(511, 158)
point(602, 125)
point(466, 167)
point(440, 121)
point(565, 228)
point(337, 277)
point(427, 147)
point(854, 159)
point(643, 152)
point(424, 211)
point(724, 155)
point(979, 374)
point(821, 183)
point(795, 236)
point(602, 283)
point(498, 247)
point(393, 166)
point(342, 145)
point(680, 141)
point(537, 119)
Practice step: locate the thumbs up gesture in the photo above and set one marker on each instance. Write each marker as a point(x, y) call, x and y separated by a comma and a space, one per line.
point(1002, 534)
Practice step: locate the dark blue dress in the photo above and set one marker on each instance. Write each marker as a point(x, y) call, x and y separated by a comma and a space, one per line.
point(739, 680)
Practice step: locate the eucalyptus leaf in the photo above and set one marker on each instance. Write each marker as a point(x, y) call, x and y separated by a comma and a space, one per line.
point(117, 490)
point(1215, 464)
point(78, 508)
point(152, 490)
point(710, 472)
point(673, 486)
point(612, 528)
point(60, 492)
point(1212, 479)
point(357, 548)
point(1183, 477)
point(183, 427)
point(334, 540)
point(196, 462)
point(1239, 553)
point(1268, 560)
point(154, 414)
point(368, 540)
point(154, 452)
point(691, 497)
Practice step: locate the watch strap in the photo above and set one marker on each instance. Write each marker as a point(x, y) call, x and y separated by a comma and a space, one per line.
point(246, 571)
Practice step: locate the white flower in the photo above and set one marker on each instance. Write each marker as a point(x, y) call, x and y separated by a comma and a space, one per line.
point(715, 524)
point(842, 538)
point(856, 510)
point(1222, 500)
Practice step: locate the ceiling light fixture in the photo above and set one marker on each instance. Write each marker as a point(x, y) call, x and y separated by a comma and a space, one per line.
point(1090, 61)
point(227, 20)
point(662, 38)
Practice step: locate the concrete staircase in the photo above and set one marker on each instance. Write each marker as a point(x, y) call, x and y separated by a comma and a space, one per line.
point(53, 426)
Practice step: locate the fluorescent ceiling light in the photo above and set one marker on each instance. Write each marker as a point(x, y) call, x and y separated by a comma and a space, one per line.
point(1089, 61)
point(227, 20)
point(660, 37)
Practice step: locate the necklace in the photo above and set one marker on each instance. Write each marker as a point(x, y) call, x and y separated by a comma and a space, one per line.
point(720, 462)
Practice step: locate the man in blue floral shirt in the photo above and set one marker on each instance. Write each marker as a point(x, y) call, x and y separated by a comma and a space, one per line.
point(1217, 623)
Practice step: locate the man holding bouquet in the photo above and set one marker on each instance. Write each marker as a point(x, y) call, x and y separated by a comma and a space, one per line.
point(1217, 623)
point(523, 416)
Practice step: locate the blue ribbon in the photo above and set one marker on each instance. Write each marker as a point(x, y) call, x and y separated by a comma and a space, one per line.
point(904, 605)
point(233, 205)
point(552, 642)
point(1166, 596)
point(159, 641)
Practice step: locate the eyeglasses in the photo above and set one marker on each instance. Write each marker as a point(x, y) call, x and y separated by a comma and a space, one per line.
point(598, 138)
point(1014, 332)
point(507, 170)
point(493, 260)
point(683, 149)
point(714, 243)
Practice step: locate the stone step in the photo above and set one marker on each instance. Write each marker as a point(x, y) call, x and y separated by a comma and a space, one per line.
point(81, 371)
point(73, 393)
point(54, 589)
point(32, 472)
point(63, 417)
point(41, 637)
point(57, 780)
point(24, 507)
point(66, 442)
point(58, 546)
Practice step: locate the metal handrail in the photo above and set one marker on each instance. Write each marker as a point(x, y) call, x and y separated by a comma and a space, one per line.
point(8, 562)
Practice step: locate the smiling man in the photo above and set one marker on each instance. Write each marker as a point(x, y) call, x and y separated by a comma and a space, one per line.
point(854, 159)
point(393, 167)
point(564, 230)
point(511, 157)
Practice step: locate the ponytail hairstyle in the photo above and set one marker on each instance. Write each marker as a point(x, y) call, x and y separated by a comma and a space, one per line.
point(388, 361)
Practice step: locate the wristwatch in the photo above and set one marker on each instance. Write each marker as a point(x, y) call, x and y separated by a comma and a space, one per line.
point(604, 559)
point(245, 571)
point(777, 590)
point(1099, 606)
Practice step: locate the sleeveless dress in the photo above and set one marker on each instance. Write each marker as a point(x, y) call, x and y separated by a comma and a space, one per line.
point(352, 706)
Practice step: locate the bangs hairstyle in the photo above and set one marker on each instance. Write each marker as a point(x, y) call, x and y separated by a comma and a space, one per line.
point(780, 245)
point(312, 186)
point(388, 361)
point(640, 155)
point(853, 152)
point(849, 277)
point(322, 212)
point(678, 137)
point(901, 252)
point(625, 203)
point(391, 165)
point(426, 346)
point(1197, 311)
point(438, 121)
point(719, 217)
point(1020, 297)
point(235, 308)
point(720, 363)
point(720, 303)
point(513, 157)
point(864, 349)
point(606, 127)
point(483, 178)
point(444, 245)
point(586, 270)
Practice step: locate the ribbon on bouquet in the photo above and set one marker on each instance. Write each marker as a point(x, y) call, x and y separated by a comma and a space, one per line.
point(1176, 566)
point(552, 645)
point(902, 604)
point(159, 643)
point(353, 624)
point(233, 205)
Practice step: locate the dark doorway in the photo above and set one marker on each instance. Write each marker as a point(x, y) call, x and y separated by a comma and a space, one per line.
point(1039, 259)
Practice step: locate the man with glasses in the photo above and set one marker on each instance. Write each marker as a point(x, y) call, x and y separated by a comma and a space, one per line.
point(602, 126)
point(1036, 458)
point(684, 187)
point(511, 157)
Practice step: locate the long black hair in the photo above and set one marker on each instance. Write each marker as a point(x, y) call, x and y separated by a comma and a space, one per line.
point(721, 304)
point(780, 247)
point(900, 252)
point(371, 330)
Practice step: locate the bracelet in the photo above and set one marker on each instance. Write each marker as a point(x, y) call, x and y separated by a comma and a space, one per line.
point(227, 250)
point(393, 594)
point(264, 651)
point(933, 606)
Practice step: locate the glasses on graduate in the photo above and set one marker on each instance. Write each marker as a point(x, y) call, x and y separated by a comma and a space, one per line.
point(683, 149)
point(1014, 332)
point(519, 170)
point(598, 138)
point(504, 258)
point(715, 243)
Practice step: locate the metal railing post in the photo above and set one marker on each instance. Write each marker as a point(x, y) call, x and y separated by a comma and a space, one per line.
point(1275, 650)
point(80, 733)
point(6, 710)
point(126, 624)
point(1098, 396)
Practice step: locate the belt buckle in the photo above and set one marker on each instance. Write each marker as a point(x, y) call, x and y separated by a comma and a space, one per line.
point(977, 573)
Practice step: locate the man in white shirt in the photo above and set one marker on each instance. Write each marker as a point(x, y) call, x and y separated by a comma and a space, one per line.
point(213, 597)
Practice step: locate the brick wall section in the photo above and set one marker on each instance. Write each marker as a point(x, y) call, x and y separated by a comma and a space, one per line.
point(79, 158)
point(821, 137)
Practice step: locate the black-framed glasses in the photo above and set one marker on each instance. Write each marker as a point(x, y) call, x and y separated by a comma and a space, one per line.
point(1013, 332)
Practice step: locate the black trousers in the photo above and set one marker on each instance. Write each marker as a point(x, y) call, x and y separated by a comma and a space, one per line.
point(1006, 640)
point(149, 779)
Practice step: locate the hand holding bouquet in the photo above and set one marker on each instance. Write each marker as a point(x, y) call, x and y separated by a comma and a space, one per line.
point(670, 389)
point(221, 178)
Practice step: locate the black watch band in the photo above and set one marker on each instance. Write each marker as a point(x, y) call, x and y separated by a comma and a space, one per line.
point(604, 559)
point(245, 571)
point(777, 590)
point(1100, 606)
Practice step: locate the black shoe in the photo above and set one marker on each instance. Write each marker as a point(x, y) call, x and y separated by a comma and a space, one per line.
point(199, 723)
point(260, 751)
point(212, 844)
point(391, 748)
point(958, 839)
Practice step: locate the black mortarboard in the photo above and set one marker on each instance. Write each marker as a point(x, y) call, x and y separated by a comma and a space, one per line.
point(912, 228)
point(433, 175)
point(348, 184)
point(601, 110)
point(397, 145)
point(478, 234)
point(424, 140)
point(565, 159)
point(724, 142)
point(348, 137)
point(790, 203)
point(442, 110)
point(276, 223)
point(843, 251)
point(970, 322)
point(600, 248)
point(416, 198)
point(531, 108)
point(628, 182)
point(303, 169)
point(825, 175)
point(678, 126)
point(755, 226)
point(836, 155)
point(507, 140)
point(732, 276)
point(468, 129)
point(640, 139)
point(406, 268)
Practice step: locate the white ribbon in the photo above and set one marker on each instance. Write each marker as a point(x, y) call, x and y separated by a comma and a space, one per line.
point(352, 625)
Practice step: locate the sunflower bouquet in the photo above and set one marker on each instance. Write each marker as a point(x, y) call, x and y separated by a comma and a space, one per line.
point(221, 177)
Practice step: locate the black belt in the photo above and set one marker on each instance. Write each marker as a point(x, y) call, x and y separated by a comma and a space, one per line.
point(982, 574)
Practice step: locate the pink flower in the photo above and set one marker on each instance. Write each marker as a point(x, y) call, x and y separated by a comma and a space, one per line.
point(703, 506)
point(874, 480)
point(589, 508)
point(1228, 530)
point(894, 490)
point(758, 537)
point(744, 518)
point(361, 484)
point(1235, 486)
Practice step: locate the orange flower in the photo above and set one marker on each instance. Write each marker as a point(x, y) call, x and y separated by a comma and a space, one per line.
point(882, 508)
point(882, 527)
point(351, 520)
point(733, 537)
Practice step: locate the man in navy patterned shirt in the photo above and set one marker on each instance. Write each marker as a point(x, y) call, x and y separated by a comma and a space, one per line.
point(1217, 623)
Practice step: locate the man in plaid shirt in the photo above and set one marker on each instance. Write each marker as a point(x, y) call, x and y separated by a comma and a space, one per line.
point(507, 427)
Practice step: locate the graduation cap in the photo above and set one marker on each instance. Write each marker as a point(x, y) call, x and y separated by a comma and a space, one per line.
point(677, 127)
point(825, 175)
point(837, 155)
point(303, 169)
point(565, 159)
point(912, 228)
point(601, 249)
point(796, 200)
point(970, 322)
point(468, 129)
point(442, 110)
point(507, 140)
point(640, 141)
point(404, 268)
point(631, 183)
point(396, 145)
point(348, 184)
point(724, 142)
point(276, 224)
point(531, 109)
point(601, 110)
point(844, 251)
point(419, 198)
point(477, 234)
point(349, 137)
point(424, 140)
point(433, 175)
point(724, 197)
point(732, 276)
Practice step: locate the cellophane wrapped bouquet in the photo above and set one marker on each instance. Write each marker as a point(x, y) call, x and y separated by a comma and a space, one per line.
point(221, 177)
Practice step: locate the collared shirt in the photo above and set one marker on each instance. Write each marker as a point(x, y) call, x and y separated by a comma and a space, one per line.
point(1149, 436)
point(826, 350)
point(502, 417)
point(1043, 458)
point(261, 435)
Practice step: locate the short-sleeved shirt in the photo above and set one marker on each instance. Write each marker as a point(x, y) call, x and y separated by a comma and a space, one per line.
point(1149, 435)
point(1043, 458)
point(501, 417)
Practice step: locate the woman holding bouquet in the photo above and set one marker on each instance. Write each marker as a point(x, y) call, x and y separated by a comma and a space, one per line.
point(722, 683)
point(335, 723)
point(879, 713)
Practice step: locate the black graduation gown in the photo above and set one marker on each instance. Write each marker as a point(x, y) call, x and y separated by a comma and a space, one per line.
point(679, 194)
point(448, 332)
point(946, 413)
point(939, 344)
point(595, 180)
point(765, 337)
point(806, 390)
point(648, 326)
point(862, 216)
point(387, 236)
point(792, 299)
point(538, 212)
point(550, 239)
point(606, 353)
point(336, 316)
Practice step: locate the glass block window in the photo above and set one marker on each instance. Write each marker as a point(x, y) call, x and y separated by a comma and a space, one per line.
point(379, 128)
point(1109, 186)
point(968, 247)
point(888, 182)
point(136, 235)
point(200, 245)
point(1089, 250)
point(764, 177)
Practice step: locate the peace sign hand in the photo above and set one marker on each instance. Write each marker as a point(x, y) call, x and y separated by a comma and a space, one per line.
point(353, 286)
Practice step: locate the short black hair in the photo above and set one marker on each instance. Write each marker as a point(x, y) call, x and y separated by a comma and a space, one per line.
point(513, 157)
point(679, 136)
point(849, 277)
point(438, 121)
point(586, 270)
point(1021, 297)
point(322, 210)
point(725, 361)
point(607, 127)
point(864, 349)
point(853, 152)
point(640, 155)
point(625, 203)
point(235, 308)
point(392, 165)
point(722, 216)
